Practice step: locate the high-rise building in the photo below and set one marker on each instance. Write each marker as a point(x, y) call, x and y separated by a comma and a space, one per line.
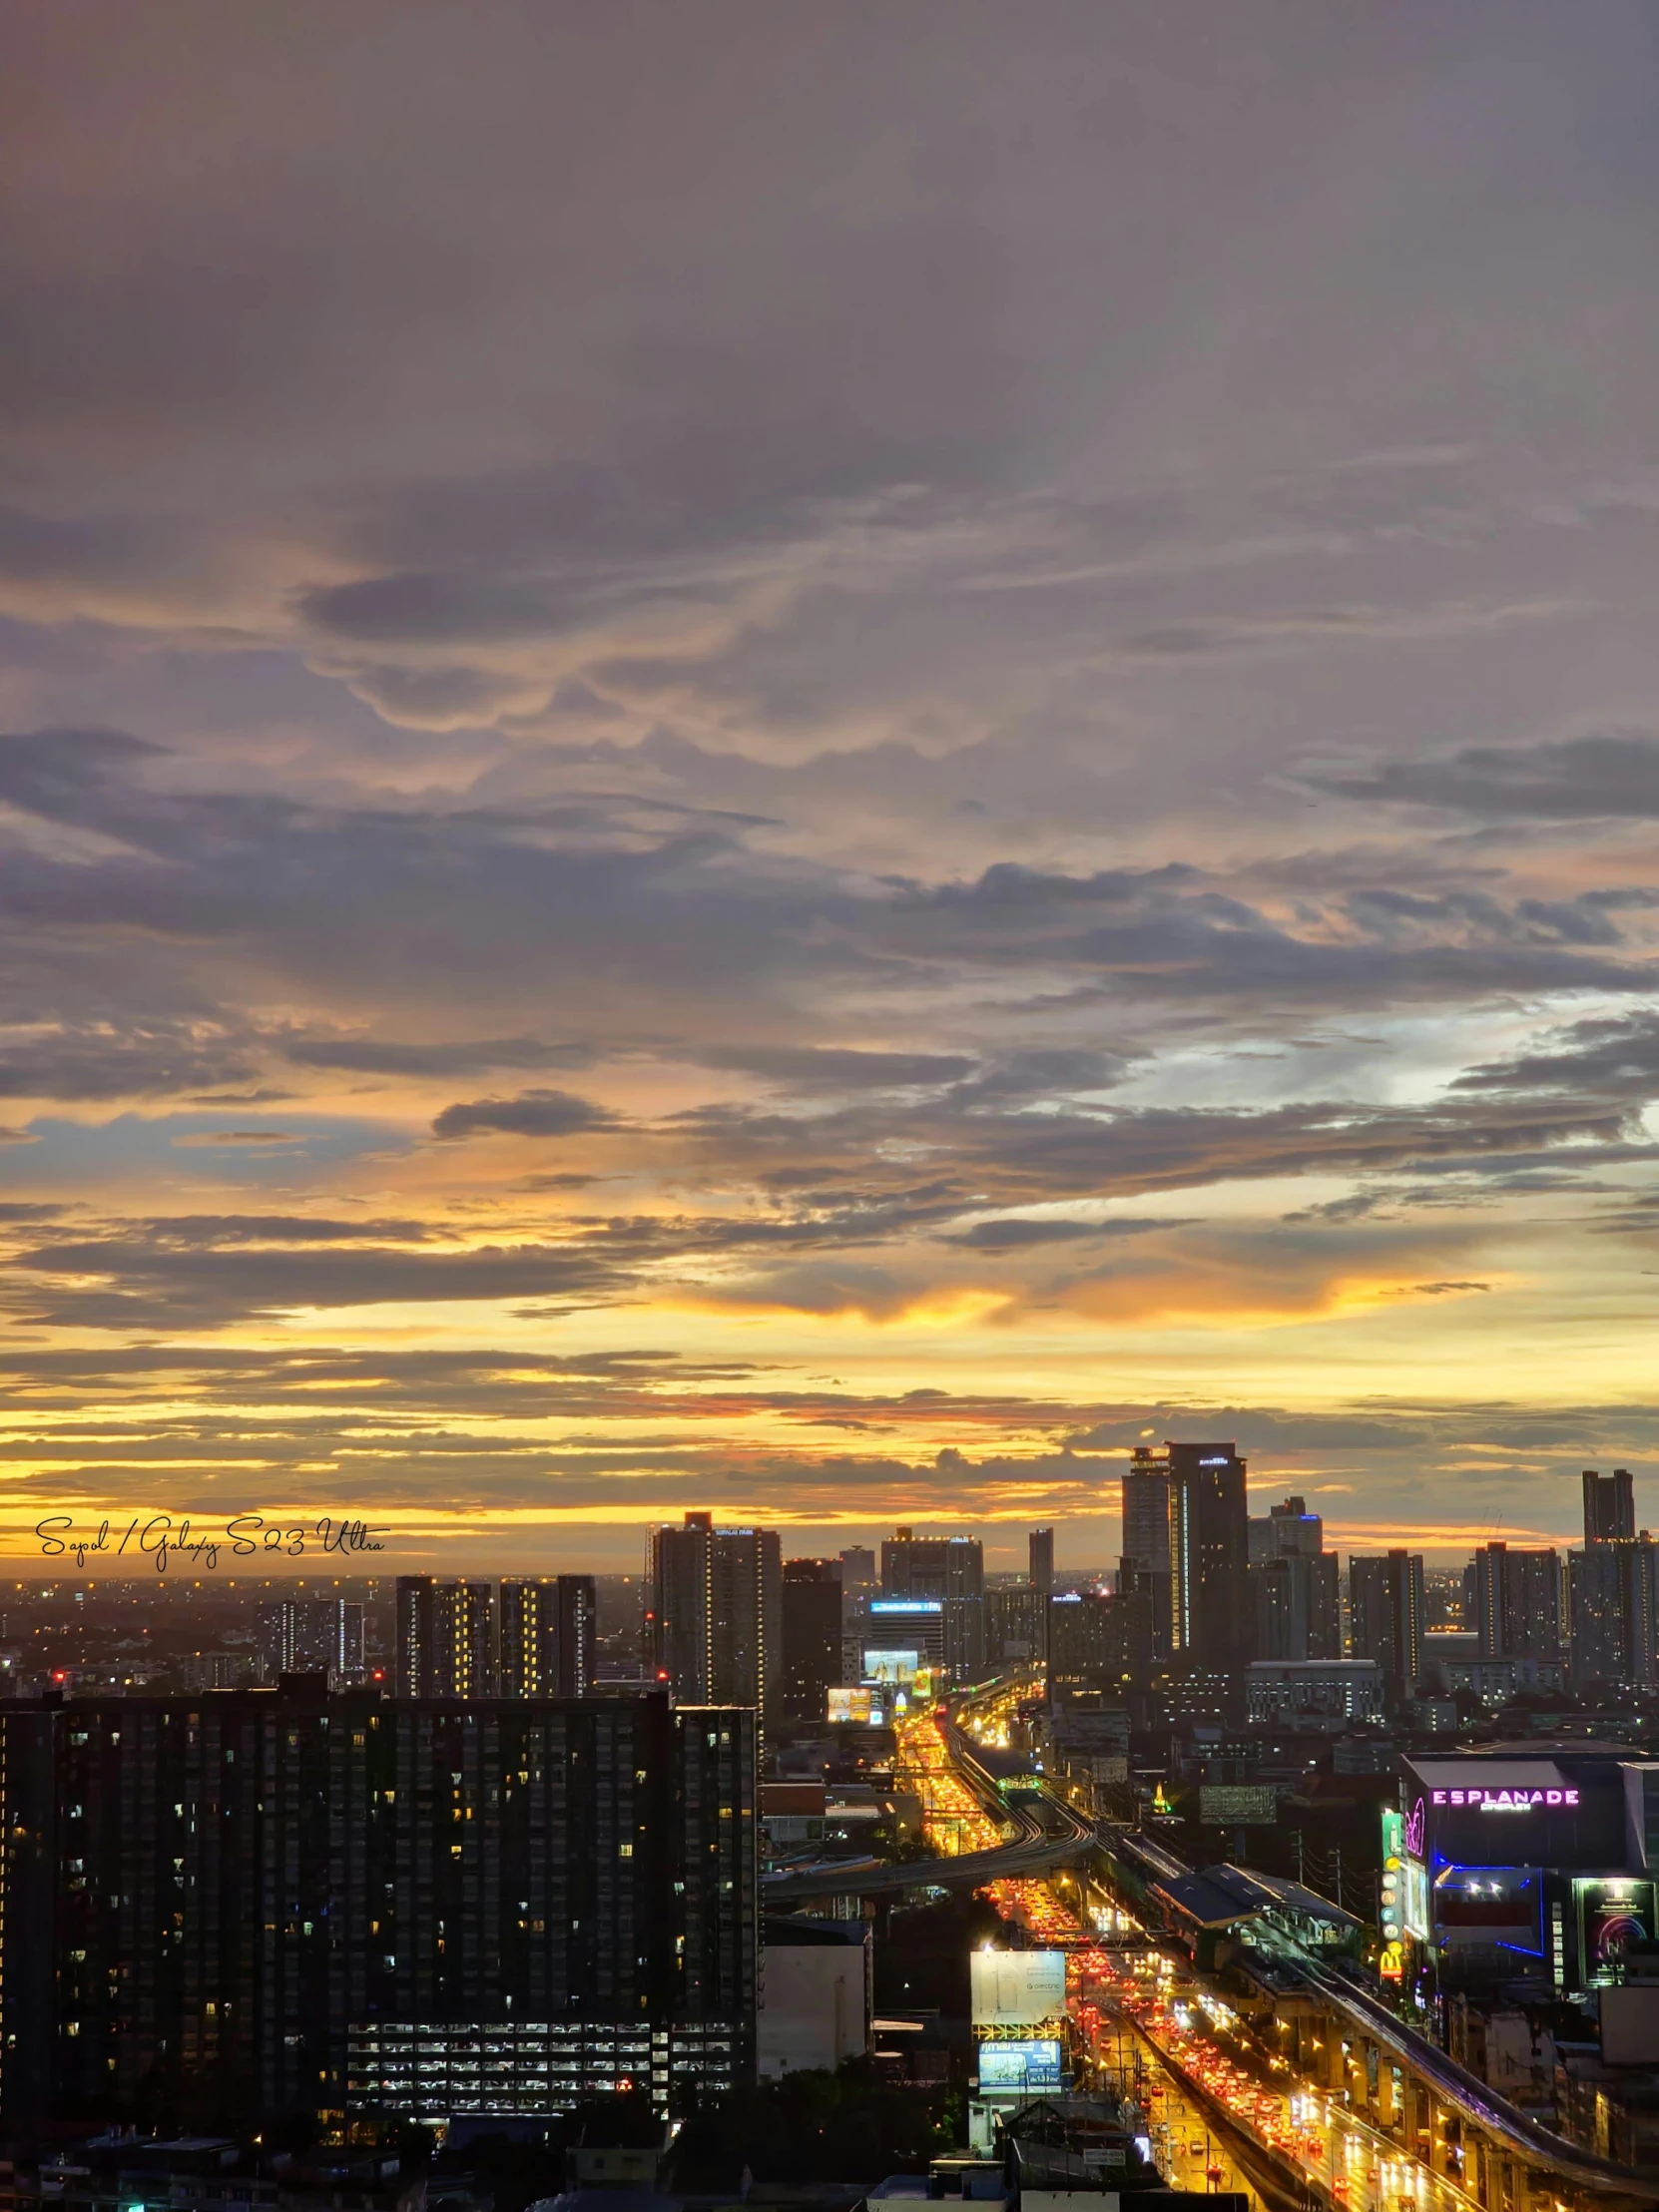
point(950, 1569)
point(1385, 1614)
point(549, 1635)
point(1517, 1602)
point(286, 1904)
point(1211, 1625)
point(302, 1635)
point(1296, 1585)
point(715, 1613)
point(1016, 1625)
point(446, 1637)
point(811, 1637)
point(1097, 1643)
point(1145, 1538)
point(1039, 1546)
point(1609, 1507)
point(1613, 1609)
point(858, 1569)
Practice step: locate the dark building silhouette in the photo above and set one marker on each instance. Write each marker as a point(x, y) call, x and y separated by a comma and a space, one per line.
point(1146, 1536)
point(1517, 1602)
point(1296, 1585)
point(715, 1599)
point(549, 1635)
point(1385, 1614)
point(1211, 1613)
point(950, 1570)
point(1097, 1643)
point(227, 1908)
point(446, 1637)
point(303, 1635)
point(1039, 1551)
point(1613, 1607)
point(812, 1636)
point(1609, 1507)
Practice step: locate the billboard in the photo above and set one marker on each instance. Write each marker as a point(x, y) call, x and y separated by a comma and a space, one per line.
point(1022, 2066)
point(1017, 1989)
point(1613, 1915)
point(892, 1666)
point(1419, 1921)
point(1237, 1803)
point(852, 1707)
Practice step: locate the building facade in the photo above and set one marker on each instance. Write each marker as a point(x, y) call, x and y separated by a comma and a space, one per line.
point(811, 1637)
point(222, 1909)
point(446, 1637)
point(1517, 1603)
point(1385, 1614)
point(1211, 1624)
point(715, 1612)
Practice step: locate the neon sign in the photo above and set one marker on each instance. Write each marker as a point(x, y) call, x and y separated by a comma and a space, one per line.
point(1415, 1828)
point(1504, 1801)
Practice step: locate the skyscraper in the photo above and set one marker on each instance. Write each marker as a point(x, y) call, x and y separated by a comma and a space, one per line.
point(1297, 1592)
point(548, 1635)
point(950, 1569)
point(1613, 1607)
point(812, 1636)
point(289, 1903)
point(715, 1613)
point(1146, 1538)
point(1211, 1623)
point(1517, 1602)
point(1039, 1546)
point(446, 1637)
point(1609, 1506)
point(1385, 1614)
point(302, 1635)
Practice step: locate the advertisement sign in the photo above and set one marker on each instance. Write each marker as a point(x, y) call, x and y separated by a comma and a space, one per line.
point(852, 1708)
point(1613, 1916)
point(891, 1666)
point(1017, 1989)
point(1417, 1901)
point(1391, 1964)
point(1021, 2067)
point(1237, 1803)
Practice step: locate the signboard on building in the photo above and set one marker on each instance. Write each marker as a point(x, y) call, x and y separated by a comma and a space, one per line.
point(1237, 1803)
point(1023, 2068)
point(852, 1708)
point(892, 1666)
point(1417, 1901)
point(1017, 1989)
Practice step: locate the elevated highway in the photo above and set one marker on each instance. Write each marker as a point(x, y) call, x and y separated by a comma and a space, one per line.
point(1041, 1844)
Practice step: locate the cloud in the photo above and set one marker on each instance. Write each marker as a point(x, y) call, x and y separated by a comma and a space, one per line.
point(1570, 780)
point(377, 1056)
point(531, 1114)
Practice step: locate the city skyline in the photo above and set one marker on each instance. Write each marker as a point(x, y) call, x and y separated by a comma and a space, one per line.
point(817, 765)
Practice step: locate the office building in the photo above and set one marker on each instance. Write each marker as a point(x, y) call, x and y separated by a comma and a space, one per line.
point(950, 1569)
point(257, 1905)
point(1609, 1507)
point(903, 1626)
point(446, 1637)
point(302, 1635)
point(1385, 1614)
point(715, 1612)
point(811, 1637)
point(549, 1635)
point(858, 1570)
point(1146, 1535)
point(1211, 1624)
point(1613, 1611)
point(1517, 1603)
point(1295, 1584)
point(1039, 1547)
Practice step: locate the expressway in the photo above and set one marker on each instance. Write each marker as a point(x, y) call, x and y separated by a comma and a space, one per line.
point(978, 1840)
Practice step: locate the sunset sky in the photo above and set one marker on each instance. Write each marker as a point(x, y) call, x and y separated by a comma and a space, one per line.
point(815, 759)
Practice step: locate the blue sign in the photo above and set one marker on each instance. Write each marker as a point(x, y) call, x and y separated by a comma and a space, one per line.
point(1030, 2066)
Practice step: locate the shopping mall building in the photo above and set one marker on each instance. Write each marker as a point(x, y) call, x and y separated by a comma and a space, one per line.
point(1534, 1861)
